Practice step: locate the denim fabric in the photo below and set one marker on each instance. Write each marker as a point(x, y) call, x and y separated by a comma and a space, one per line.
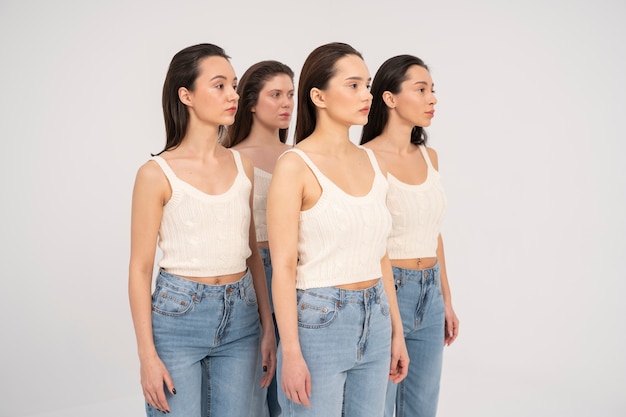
point(208, 337)
point(264, 400)
point(345, 337)
point(422, 310)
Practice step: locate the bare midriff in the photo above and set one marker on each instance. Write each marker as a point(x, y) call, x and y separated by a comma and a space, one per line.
point(359, 285)
point(415, 263)
point(218, 279)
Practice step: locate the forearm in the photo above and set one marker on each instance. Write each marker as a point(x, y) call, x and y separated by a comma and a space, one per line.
point(285, 310)
point(390, 290)
point(443, 274)
point(139, 291)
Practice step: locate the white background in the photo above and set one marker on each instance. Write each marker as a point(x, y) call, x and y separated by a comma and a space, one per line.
point(531, 99)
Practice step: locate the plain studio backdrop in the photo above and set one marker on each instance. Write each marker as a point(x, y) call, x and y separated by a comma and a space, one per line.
point(531, 100)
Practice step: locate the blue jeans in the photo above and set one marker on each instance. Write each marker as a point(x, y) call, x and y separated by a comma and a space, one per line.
point(423, 316)
point(345, 338)
point(208, 337)
point(264, 400)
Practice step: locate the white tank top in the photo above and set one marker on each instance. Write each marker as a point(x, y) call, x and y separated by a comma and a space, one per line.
point(417, 212)
point(261, 186)
point(203, 235)
point(342, 238)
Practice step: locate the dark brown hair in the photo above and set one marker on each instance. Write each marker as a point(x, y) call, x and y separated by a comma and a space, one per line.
point(182, 72)
point(250, 85)
point(318, 68)
point(389, 77)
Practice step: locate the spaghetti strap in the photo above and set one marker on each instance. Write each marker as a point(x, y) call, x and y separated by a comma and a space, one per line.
point(321, 178)
point(373, 161)
point(169, 173)
point(238, 162)
point(426, 157)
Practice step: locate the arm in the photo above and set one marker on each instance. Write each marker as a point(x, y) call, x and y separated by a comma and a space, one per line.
point(254, 263)
point(149, 195)
point(284, 202)
point(399, 366)
point(452, 321)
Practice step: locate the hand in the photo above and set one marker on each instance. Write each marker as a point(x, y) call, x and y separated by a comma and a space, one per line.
point(268, 352)
point(399, 359)
point(296, 380)
point(153, 376)
point(451, 326)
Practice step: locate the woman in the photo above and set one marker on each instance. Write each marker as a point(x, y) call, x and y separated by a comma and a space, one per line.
point(260, 132)
point(403, 105)
point(340, 328)
point(198, 334)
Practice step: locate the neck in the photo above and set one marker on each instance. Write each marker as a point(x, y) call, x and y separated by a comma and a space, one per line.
point(262, 135)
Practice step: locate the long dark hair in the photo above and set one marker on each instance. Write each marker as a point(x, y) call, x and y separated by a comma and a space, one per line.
point(250, 85)
point(389, 77)
point(182, 72)
point(318, 68)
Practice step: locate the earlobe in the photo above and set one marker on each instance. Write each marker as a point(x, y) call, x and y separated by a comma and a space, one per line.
point(184, 96)
point(389, 99)
point(317, 97)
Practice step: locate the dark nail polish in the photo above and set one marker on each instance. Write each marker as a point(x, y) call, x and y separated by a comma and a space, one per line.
point(264, 368)
point(174, 391)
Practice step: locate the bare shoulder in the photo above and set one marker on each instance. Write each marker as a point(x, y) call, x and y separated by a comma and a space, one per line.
point(434, 159)
point(150, 172)
point(289, 163)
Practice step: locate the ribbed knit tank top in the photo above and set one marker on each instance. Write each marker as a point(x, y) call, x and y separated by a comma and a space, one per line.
point(201, 234)
point(342, 238)
point(417, 212)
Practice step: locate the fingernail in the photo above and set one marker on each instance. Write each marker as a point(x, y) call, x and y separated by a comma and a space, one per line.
point(264, 368)
point(174, 391)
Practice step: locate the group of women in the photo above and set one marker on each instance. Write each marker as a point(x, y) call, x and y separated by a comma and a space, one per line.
point(328, 248)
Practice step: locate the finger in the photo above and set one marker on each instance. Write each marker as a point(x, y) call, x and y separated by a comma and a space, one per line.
point(303, 398)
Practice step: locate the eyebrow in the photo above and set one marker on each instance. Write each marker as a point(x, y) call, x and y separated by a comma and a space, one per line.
point(357, 78)
point(222, 77)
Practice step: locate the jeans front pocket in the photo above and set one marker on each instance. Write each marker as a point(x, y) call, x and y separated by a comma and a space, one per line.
point(171, 302)
point(315, 312)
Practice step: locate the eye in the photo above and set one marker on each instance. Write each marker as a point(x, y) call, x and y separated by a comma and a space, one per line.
point(219, 86)
point(369, 87)
point(421, 90)
point(290, 95)
point(275, 94)
point(433, 91)
point(352, 85)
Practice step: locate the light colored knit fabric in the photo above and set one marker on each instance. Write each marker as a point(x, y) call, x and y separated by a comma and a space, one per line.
point(417, 212)
point(204, 235)
point(261, 186)
point(342, 238)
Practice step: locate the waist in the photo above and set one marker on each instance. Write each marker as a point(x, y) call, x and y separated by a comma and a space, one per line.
point(202, 290)
point(373, 289)
point(215, 280)
point(358, 285)
point(415, 263)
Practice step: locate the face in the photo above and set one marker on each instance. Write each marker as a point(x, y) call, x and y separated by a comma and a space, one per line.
point(347, 97)
point(214, 99)
point(415, 103)
point(274, 106)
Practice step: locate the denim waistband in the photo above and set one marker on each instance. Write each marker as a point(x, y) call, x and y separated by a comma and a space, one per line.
point(419, 275)
point(203, 290)
point(347, 296)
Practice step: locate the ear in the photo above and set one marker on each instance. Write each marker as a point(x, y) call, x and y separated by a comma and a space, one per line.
point(184, 96)
point(317, 97)
point(389, 99)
